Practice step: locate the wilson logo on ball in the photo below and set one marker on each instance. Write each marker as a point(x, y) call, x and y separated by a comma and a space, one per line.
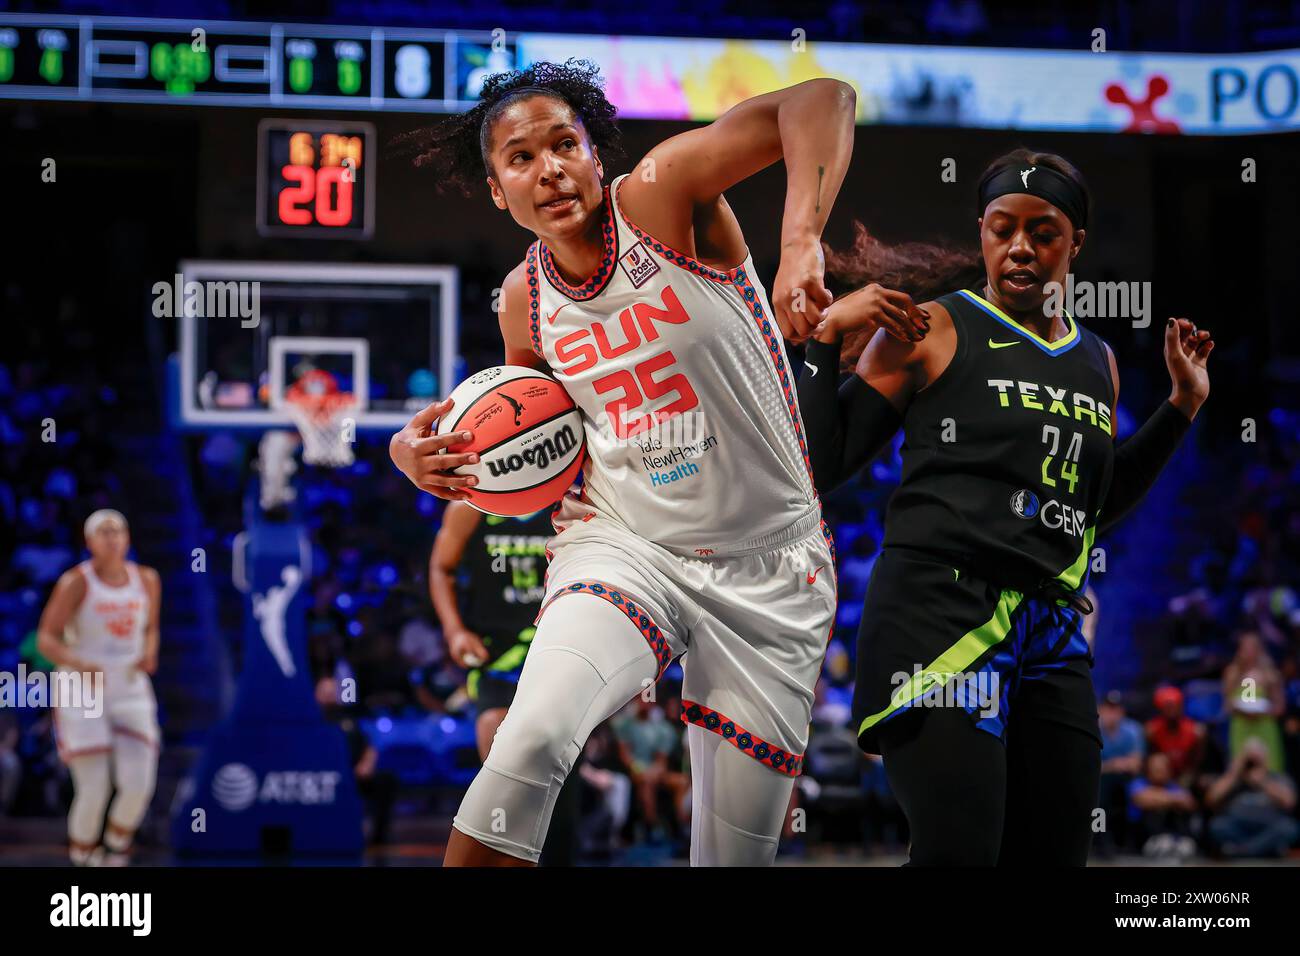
point(528, 434)
point(551, 449)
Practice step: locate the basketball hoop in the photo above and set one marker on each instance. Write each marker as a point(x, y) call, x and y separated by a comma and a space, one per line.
point(320, 411)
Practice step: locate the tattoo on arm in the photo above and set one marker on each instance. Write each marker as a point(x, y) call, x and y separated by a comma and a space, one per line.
point(821, 170)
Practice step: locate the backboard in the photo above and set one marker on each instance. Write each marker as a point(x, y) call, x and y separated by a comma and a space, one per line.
point(248, 330)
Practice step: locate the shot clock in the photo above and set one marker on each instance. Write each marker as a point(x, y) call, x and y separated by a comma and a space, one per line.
point(315, 179)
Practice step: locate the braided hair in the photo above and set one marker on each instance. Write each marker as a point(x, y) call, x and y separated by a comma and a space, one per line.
point(459, 148)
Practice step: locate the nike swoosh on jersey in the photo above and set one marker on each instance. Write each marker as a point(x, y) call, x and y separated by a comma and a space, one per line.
point(551, 318)
point(813, 367)
point(1001, 345)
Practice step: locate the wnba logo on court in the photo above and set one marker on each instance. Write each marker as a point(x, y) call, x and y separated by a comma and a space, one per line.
point(552, 448)
point(1024, 503)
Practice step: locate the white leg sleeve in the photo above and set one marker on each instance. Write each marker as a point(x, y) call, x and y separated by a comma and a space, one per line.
point(586, 661)
point(91, 783)
point(135, 769)
point(738, 805)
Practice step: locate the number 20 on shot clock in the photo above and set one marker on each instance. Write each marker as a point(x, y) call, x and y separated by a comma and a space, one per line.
point(315, 179)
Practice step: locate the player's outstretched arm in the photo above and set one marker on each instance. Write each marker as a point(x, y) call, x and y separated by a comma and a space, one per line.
point(847, 425)
point(153, 630)
point(459, 521)
point(810, 126)
point(1140, 459)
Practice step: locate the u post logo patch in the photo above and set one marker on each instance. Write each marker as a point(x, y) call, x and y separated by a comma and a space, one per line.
point(639, 265)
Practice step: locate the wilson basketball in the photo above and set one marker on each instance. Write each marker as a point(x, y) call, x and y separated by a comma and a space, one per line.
point(527, 433)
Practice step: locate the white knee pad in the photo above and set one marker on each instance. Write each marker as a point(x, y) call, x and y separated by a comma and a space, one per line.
point(585, 662)
point(738, 805)
point(91, 781)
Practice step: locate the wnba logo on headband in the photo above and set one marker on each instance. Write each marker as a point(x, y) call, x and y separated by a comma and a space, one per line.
point(1041, 181)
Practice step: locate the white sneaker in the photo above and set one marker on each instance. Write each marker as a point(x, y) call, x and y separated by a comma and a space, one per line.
point(81, 857)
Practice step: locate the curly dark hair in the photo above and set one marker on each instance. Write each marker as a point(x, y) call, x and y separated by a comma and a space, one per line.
point(458, 148)
point(925, 270)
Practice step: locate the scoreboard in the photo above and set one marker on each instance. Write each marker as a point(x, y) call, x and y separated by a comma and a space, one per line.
point(246, 64)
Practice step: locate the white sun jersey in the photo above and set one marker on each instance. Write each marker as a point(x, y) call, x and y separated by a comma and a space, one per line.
point(108, 626)
point(694, 439)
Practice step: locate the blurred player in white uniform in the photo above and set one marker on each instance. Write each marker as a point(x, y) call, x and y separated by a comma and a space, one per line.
point(698, 530)
point(100, 628)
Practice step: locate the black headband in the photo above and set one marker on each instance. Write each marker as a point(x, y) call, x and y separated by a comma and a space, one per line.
point(1041, 181)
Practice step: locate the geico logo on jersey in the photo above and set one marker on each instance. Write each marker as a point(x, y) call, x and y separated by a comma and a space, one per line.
point(540, 455)
point(1052, 513)
point(1044, 398)
point(235, 787)
point(1062, 517)
point(588, 346)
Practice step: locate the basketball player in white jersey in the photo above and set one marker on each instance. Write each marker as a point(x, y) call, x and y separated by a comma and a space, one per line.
point(698, 529)
point(101, 622)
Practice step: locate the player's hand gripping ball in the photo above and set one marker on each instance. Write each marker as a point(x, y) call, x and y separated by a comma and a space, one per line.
point(527, 435)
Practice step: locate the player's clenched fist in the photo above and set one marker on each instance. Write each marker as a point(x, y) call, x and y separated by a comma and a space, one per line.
point(421, 455)
point(875, 307)
point(799, 296)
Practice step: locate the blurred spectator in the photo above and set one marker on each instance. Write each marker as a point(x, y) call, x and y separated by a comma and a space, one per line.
point(606, 800)
point(650, 745)
point(421, 643)
point(1190, 644)
point(1252, 806)
point(1255, 698)
point(1175, 735)
point(11, 768)
point(378, 788)
point(1122, 752)
point(1161, 810)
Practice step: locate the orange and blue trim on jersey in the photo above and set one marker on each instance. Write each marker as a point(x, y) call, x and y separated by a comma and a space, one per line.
point(604, 271)
point(779, 760)
point(672, 255)
point(755, 305)
point(534, 300)
point(630, 606)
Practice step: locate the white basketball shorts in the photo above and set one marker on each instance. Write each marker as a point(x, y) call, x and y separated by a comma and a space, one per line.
point(127, 709)
point(753, 626)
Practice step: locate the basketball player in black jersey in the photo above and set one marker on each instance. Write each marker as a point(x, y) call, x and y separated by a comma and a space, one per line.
point(498, 566)
point(974, 678)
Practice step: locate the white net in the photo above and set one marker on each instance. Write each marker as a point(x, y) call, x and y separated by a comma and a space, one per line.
point(325, 419)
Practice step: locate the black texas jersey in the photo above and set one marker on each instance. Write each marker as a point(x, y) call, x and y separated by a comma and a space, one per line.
point(1007, 456)
point(505, 562)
